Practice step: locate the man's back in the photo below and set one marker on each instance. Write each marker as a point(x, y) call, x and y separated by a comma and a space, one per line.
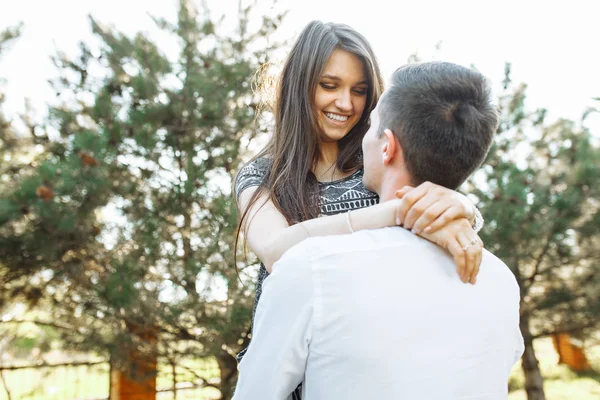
point(393, 320)
point(382, 314)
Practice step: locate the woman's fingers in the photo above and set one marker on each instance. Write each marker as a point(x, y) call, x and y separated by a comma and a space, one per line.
point(408, 200)
point(449, 214)
point(457, 252)
point(436, 216)
point(400, 193)
point(473, 255)
point(479, 246)
point(467, 253)
point(428, 207)
point(422, 209)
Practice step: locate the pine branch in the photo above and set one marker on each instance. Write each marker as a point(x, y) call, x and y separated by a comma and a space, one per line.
point(543, 252)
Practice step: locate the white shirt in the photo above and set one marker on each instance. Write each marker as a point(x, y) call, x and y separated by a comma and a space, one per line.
point(381, 314)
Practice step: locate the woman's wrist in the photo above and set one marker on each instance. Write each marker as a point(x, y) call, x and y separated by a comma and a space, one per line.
point(473, 214)
point(478, 220)
point(381, 215)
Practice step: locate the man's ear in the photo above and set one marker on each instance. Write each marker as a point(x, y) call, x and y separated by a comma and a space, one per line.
point(391, 146)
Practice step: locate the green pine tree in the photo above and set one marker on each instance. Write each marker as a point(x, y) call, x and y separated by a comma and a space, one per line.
point(11, 145)
point(127, 223)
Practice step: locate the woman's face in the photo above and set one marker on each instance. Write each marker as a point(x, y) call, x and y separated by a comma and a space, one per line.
point(341, 95)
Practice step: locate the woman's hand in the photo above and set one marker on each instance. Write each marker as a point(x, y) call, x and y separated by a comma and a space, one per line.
point(429, 207)
point(444, 217)
point(459, 238)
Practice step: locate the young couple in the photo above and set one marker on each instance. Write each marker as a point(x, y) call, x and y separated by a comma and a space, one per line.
point(363, 299)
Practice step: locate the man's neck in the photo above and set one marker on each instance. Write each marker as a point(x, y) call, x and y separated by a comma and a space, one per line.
point(391, 183)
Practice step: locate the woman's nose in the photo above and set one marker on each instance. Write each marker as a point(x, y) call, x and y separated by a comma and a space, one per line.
point(344, 101)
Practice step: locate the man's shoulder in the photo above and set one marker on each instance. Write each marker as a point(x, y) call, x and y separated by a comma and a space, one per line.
point(498, 272)
point(299, 264)
point(292, 277)
point(315, 248)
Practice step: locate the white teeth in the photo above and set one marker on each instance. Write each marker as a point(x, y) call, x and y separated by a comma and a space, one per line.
point(335, 117)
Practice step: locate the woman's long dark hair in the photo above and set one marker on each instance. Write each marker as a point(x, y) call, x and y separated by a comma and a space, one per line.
point(293, 149)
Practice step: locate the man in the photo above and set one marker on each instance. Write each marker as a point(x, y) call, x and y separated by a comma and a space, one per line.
point(381, 314)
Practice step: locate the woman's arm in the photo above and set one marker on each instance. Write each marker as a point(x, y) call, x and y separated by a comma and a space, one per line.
point(269, 235)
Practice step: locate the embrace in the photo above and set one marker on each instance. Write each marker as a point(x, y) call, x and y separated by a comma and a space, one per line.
point(374, 283)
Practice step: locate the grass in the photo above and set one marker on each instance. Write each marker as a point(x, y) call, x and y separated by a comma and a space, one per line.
point(64, 383)
point(92, 382)
point(58, 383)
point(560, 383)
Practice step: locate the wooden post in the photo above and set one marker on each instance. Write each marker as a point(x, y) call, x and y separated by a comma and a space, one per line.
point(136, 379)
point(570, 353)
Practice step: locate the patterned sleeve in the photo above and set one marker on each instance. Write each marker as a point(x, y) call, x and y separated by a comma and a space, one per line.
point(252, 174)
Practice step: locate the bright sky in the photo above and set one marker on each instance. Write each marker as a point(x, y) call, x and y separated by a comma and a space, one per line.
point(552, 45)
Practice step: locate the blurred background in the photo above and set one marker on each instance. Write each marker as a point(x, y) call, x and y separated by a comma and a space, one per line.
point(123, 123)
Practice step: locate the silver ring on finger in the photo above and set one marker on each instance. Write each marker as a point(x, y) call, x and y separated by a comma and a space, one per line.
point(473, 242)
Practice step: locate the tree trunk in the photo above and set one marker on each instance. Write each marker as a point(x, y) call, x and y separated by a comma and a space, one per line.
point(534, 383)
point(174, 370)
point(228, 366)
